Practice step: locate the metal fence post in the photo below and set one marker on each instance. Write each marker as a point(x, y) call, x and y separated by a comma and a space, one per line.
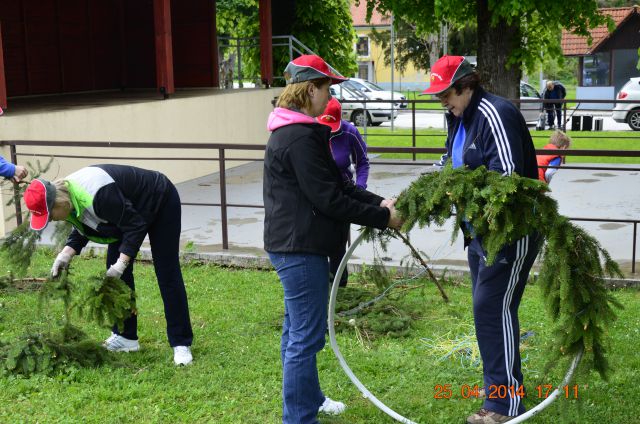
point(413, 127)
point(223, 200)
point(16, 189)
point(564, 117)
point(633, 254)
point(240, 85)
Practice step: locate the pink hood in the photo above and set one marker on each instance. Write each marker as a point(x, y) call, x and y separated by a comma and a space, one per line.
point(281, 117)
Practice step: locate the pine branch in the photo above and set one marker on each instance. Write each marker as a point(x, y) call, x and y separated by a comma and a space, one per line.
point(501, 210)
point(106, 301)
point(18, 248)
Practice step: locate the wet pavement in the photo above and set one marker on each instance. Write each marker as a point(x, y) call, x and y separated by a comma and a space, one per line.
point(580, 193)
point(585, 194)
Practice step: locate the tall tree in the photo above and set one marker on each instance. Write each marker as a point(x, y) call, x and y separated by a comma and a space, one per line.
point(511, 34)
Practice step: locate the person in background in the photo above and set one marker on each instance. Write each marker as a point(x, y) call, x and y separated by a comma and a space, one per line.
point(119, 205)
point(308, 208)
point(557, 141)
point(347, 148)
point(487, 130)
point(10, 171)
point(554, 91)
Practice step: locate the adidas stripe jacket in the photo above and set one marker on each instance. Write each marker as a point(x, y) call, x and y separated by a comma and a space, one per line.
point(497, 136)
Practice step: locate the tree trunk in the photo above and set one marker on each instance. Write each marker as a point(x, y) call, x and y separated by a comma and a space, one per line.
point(494, 46)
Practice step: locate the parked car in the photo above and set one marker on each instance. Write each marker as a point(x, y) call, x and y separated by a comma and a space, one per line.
point(628, 112)
point(376, 92)
point(354, 110)
point(530, 111)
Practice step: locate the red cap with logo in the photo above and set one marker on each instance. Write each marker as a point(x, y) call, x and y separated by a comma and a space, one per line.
point(332, 115)
point(39, 197)
point(308, 67)
point(446, 71)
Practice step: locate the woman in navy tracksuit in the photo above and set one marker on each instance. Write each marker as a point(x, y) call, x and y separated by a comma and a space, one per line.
point(484, 129)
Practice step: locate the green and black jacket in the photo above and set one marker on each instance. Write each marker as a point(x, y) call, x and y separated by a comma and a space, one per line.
point(114, 203)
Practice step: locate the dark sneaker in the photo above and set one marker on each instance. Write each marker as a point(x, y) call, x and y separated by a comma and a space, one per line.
point(484, 416)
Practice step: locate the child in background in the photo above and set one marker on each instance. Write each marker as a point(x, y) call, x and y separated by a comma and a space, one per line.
point(557, 141)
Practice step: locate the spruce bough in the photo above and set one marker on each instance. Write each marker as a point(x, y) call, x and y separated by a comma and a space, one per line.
point(503, 209)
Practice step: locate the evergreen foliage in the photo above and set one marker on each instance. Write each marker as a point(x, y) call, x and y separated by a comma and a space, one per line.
point(18, 248)
point(50, 353)
point(501, 210)
point(106, 301)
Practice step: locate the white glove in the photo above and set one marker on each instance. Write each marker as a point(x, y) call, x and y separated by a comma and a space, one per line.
point(61, 262)
point(116, 270)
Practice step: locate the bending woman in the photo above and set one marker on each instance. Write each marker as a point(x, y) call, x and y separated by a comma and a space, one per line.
point(119, 205)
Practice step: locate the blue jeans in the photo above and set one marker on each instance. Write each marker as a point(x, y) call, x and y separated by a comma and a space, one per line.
point(304, 278)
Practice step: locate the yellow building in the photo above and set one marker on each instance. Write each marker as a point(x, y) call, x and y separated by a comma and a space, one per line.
point(371, 64)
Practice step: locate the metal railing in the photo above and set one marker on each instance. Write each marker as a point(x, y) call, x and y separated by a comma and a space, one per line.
point(222, 158)
point(234, 51)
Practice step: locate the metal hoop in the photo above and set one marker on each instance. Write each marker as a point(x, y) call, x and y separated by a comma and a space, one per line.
point(384, 408)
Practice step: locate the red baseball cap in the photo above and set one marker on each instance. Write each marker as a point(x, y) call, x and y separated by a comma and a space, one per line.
point(332, 115)
point(40, 196)
point(446, 71)
point(308, 67)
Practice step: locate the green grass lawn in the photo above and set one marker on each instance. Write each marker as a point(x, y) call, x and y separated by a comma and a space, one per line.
point(235, 378)
point(583, 140)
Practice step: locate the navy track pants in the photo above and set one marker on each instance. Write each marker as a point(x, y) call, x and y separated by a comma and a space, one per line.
point(497, 291)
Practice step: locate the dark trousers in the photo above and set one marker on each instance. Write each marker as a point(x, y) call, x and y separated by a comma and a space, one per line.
point(497, 291)
point(552, 111)
point(334, 263)
point(164, 237)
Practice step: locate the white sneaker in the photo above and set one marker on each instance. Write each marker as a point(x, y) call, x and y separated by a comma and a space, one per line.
point(182, 355)
point(117, 343)
point(332, 407)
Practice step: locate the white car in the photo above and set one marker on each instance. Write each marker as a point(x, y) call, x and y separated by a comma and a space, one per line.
point(356, 111)
point(376, 92)
point(628, 112)
point(530, 111)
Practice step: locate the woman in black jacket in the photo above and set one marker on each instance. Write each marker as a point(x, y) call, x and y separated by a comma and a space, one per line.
point(308, 209)
point(119, 205)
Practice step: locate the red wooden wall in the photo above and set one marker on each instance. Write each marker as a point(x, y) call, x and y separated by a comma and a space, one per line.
point(58, 46)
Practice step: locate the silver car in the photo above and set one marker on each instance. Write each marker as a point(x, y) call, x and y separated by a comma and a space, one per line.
point(358, 112)
point(530, 111)
point(628, 112)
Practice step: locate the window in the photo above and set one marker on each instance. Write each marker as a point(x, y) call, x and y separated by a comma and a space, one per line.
point(363, 71)
point(596, 70)
point(527, 91)
point(362, 46)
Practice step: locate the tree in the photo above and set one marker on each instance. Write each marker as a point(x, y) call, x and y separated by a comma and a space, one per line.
point(511, 35)
point(422, 50)
point(319, 24)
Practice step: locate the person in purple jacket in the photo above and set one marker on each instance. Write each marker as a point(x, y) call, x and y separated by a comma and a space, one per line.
point(347, 148)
